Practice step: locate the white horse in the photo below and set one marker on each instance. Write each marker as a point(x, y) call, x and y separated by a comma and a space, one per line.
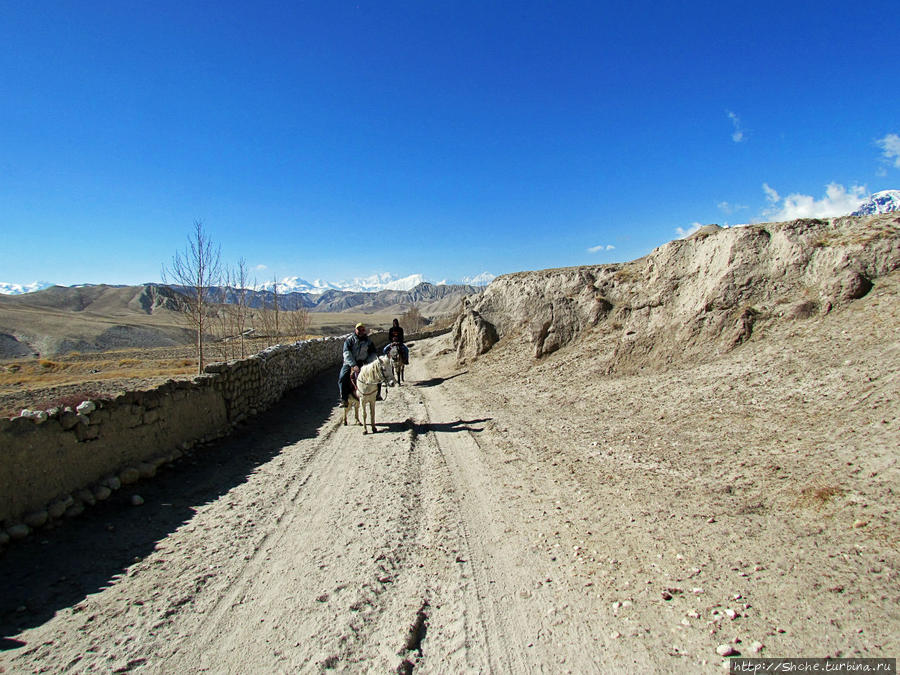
point(370, 376)
point(397, 362)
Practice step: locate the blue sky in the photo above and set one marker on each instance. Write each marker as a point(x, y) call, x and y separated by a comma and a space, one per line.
point(340, 139)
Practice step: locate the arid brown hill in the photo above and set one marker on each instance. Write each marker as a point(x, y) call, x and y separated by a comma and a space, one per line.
point(101, 317)
point(689, 299)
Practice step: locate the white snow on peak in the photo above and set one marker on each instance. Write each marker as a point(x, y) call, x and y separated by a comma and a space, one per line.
point(7, 288)
point(297, 285)
point(405, 283)
point(886, 201)
point(384, 281)
point(371, 284)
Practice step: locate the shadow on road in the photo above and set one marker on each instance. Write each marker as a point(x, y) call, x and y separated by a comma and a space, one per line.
point(58, 568)
point(438, 427)
point(435, 381)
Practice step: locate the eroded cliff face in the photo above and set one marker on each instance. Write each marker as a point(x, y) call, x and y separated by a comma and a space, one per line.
point(691, 298)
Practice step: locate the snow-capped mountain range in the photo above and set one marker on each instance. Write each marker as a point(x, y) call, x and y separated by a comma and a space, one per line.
point(372, 284)
point(886, 201)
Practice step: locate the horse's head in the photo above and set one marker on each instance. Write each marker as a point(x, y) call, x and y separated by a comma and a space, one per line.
point(384, 362)
point(394, 351)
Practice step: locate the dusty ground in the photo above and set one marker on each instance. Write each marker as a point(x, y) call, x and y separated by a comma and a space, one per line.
point(550, 519)
point(40, 383)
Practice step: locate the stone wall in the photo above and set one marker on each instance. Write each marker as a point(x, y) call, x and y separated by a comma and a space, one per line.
point(53, 463)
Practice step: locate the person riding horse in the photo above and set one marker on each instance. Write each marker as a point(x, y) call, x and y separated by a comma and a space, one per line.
point(395, 335)
point(358, 351)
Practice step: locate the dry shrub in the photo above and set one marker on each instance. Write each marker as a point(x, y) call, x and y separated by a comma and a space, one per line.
point(629, 273)
point(818, 495)
point(66, 369)
point(824, 240)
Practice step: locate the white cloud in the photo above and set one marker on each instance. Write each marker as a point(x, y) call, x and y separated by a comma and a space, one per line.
point(771, 196)
point(838, 201)
point(260, 268)
point(689, 231)
point(890, 149)
point(482, 279)
point(725, 207)
point(601, 247)
point(738, 134)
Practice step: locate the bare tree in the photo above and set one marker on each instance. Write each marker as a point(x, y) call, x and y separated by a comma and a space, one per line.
point(220, 310)
point(413, 321)
point(297, 322)
point(191, 274)
point(275, 306)
point(264, 319)
point(241, 313)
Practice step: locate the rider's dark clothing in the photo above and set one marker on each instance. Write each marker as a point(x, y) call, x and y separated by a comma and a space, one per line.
point(357, 352)
point(395, 334)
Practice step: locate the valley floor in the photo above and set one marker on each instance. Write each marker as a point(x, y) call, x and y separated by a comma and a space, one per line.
point(545, 519)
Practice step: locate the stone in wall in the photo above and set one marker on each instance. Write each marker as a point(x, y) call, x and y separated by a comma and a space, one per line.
point(45, 456)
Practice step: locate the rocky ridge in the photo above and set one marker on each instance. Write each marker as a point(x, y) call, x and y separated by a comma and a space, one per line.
point(689, 299)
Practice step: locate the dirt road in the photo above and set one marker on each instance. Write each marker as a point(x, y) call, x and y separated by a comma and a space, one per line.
point(337, 550)
point(496, 524)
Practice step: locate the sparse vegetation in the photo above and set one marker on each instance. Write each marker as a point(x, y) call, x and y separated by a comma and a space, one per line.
point(296, 324)
point(70, 369)
point(192, 274)
point(823, 240)
point(412, 320)
point(818, 495)
point(628, 273)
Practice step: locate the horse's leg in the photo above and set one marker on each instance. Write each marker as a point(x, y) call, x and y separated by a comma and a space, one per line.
point(362, 404)
point(372, 403)
point(356, 412)
point(346, 405)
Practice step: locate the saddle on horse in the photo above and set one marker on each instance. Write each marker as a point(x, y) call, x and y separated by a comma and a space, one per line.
point(354, 375)
point(404, 351)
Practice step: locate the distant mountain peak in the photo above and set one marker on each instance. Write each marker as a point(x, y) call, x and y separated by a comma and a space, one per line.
point(886, 201)
point(18, 289)
point(384, 281)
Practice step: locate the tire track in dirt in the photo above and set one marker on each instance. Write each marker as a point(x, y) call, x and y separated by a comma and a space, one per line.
point(508, 593)
point(320, 591)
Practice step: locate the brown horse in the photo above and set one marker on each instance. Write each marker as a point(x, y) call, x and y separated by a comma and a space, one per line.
point(397, 362)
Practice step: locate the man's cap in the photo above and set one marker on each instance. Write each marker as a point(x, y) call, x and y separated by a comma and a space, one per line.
point(360, 325)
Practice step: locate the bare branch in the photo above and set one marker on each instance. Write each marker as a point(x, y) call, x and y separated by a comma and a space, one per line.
point(191, 275)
